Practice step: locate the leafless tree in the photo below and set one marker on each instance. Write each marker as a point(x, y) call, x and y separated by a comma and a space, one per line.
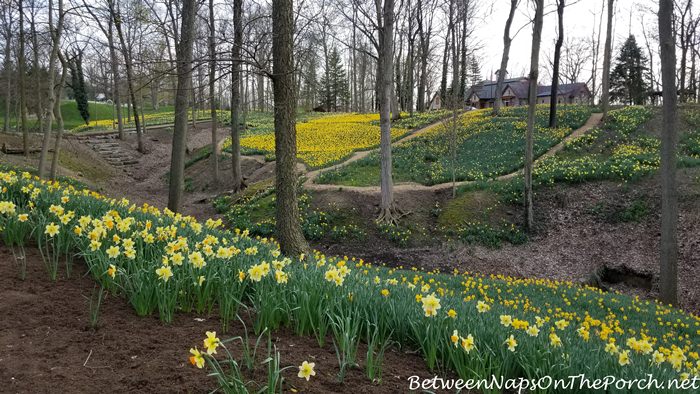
point(236, 92)
point(607, 54)
point(54, 92)
point(289, 234)
point(531, 112)
point(184, 81)
point(668, 281)
point(507, 39)
point(388, 212)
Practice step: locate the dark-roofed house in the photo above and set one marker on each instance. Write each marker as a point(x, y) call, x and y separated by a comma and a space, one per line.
point(568, 93)
point(515, 93)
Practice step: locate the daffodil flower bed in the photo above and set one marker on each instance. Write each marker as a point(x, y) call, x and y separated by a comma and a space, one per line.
point(323, 141)
point(469, 323)
point(615, 153)
point(486, 147)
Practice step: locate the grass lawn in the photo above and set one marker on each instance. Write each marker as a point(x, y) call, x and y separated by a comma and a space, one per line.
point(101, 115)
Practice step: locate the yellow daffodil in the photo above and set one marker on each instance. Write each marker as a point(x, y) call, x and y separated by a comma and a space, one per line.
point(482, 307)
point(624, 358)
point(306, 370)
point(113, 252)
point(454, 337)
point(211, 342)
point(506, 320)
point(511, 343)
point(196, 358)
point(554, 340)
point(468, 343)
point(164, 273)
point(51, 229)
point(112, 271)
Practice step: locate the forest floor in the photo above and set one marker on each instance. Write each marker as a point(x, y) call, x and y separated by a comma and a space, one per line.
point(577, 237)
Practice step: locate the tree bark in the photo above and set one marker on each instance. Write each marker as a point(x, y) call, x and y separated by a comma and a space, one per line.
point(668, 278)
point(238, 183)
point(212, 94)
point(424, 40)
point(289, 234)
point(498, 102)
point(114, 63)
point(607, 54)
point(126, 52)
point(21, 69)
point(59, 117)
point(385, 16)
point(184, 81)
point(532, 107)
point(446, 53)
point(554, 95)
point(54, 99)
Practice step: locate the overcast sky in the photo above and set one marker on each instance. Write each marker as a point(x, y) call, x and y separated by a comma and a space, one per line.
point(579, 21)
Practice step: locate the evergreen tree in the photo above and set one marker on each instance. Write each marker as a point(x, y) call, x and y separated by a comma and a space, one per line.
point(473, 71)
point(335, 89)
point(78, 86)
point(627, 80)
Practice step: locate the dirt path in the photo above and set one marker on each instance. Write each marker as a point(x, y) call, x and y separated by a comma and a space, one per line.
point(592, 122)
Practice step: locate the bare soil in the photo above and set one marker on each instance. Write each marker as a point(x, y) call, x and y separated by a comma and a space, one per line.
point(48, 345)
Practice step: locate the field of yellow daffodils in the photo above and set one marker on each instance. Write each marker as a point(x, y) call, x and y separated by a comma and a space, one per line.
point(328, 139)
point(470, 324)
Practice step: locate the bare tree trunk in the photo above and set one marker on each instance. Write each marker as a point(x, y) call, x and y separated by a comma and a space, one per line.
point(532, 106)
point(7, 71)
point(289, 234)
point(668, 279)
point(554, 95)
point(454, 104)
point(261, 92)
point(59, 117)
point(463, 51)
point(21, 69)
point(596, 52)
point(607, 54)
point(385, 16)
point(36, 76)
point(115, 78)
point(236, 91)
point(184, 80)
point(129, 75)
point(498, 102)
point(446, 52)
point(53, 98)
point(212, 94)
point(424, 40)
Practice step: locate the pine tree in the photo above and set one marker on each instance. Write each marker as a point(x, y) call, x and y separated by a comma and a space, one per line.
point(78, 86)
point(627, 80)
point(474, 71)
point(335, 89)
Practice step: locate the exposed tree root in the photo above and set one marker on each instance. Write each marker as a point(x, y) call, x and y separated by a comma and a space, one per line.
point(390, 215)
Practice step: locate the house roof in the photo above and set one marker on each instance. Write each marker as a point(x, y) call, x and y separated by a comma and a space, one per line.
point(566, 89)
point(486, 90)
